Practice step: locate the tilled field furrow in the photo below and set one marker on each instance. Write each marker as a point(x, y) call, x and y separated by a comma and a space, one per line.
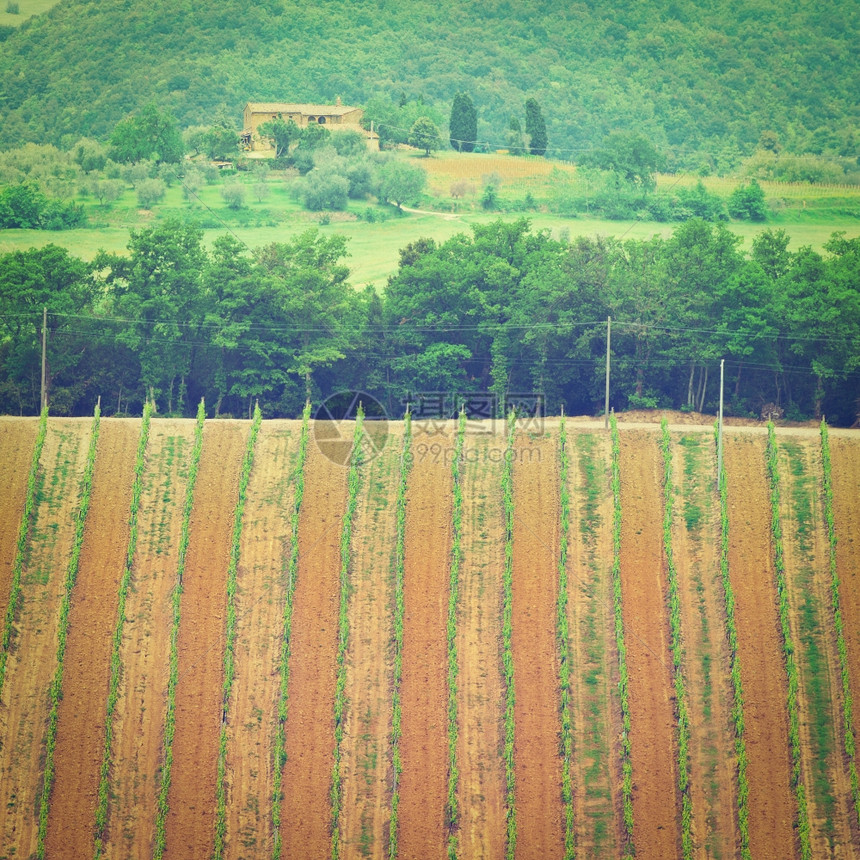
point(656, 802)
point(751, 569)
point(81, 716)
point(424, 689)
point(481, 699)
point(190, 830)
point(537, 761)
point(33, 659)
point(306, 807)
point(145, 649)
point(594, 673)
point(696, 541)
point(366, 760)
point(261, 591)
point(17, 438)
point(845, 475)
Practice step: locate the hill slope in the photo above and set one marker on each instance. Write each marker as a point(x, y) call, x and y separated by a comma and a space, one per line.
point(693, 79)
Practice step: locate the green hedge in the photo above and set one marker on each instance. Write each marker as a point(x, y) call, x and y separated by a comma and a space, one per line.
point(56, 689)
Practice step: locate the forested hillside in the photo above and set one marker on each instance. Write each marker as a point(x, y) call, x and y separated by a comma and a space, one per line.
point(702, 80)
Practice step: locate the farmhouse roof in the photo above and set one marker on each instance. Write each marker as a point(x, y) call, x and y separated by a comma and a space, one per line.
point(280, 107)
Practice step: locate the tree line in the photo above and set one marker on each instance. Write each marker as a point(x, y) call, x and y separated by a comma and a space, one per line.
point(504, 311)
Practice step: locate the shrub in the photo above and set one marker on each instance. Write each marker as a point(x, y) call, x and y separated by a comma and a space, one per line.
point(747, 202)
point(234, 195)
point(12, 7)
point(324, 189)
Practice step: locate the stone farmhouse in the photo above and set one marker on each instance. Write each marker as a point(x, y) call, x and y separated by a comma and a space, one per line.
point(336, 117)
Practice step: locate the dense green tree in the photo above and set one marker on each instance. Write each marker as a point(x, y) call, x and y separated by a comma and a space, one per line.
point(150, 134)
point(400, 182)
point(282, 133)
point(463, 124)
point(631, 155)
point(514, 138)
point(747, 202)
point(425, 135)
point(535, 128)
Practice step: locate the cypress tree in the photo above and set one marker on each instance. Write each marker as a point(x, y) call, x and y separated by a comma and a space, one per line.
point(463, 125)
point(535, 128)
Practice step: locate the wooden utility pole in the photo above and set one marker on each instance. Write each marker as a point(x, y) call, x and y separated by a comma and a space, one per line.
point(606, 400)
point(720, 425)
point(44, 360)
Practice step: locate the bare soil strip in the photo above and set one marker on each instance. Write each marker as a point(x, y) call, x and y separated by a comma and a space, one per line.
point(366, 760)
point(481, 701)
point(261, 591)
point(537, 763)
point(594, 692)
point(17, 439)
point(751, 567)
point(145, 649)
point(845, 472)
point(656, 802)
point(32, 660)
point(696, 542)
point(191, 799)
point(807, 574)
point(424, 688)
point(81, 715)
point(306, 811)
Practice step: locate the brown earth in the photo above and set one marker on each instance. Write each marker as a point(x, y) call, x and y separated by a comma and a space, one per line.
point(260, 596)
point(366, 761)
point(190, 826)
point(696, 547)
point(145, 650)
point(92, 619)
point(32, 660)
point(17, 439)
point(751, 569)
point(807, 575)
point(537, 764)
point(481, 689)
point(595, 705)
point(845, 474)
point(306, 808)
point(653, 741)
point(424, 687)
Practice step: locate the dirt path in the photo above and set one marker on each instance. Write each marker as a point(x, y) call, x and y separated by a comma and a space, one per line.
point(696, 543)
point(191, 817)
point(424, 688)
point(656, 804)
point(260, 595)
point(751, 569)
point(596, 707)
point(366, 759)
point(845, 472)
point(807, 574)
point(32, 660)
point(86, 674)
point(481, 695)
point(145, 650)
point(17, 439)
point(306, 811)
point(537, 764)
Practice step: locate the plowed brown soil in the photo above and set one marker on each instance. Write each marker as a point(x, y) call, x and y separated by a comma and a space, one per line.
point(366, 759)
point(537, 764)
point(481, 694)
point(696, 544)
point(653, 742)
point(306, 811)
point(751, 569)
point(191, 799)
point(145, 650)
point(32, 660)
point(17, 439)
point(807, 576)
point(260, 595)
point(845, 471)
point(595, 705)
point(424, 688)
point(86, 673)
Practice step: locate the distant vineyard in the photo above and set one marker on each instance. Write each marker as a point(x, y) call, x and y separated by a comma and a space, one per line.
point(476, 640)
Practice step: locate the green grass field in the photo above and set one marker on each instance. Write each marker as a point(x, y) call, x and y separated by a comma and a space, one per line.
point(26, 9)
